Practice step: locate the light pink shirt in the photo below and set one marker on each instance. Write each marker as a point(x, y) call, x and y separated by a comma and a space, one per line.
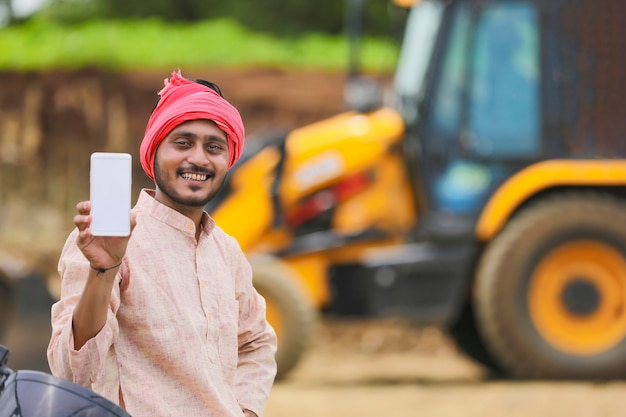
point(186, 333)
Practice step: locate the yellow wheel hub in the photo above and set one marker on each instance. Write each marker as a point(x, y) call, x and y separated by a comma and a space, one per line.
point(577, 297)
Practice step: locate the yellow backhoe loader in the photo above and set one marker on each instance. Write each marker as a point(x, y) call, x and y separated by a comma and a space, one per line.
point(487, 196)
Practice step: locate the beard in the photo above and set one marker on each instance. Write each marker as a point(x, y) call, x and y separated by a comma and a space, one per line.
point(173, 195)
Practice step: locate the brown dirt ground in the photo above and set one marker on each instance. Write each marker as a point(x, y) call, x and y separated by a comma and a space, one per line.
point(389, 367)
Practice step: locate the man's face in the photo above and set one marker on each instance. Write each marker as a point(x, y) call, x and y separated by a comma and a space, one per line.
point(190, 165)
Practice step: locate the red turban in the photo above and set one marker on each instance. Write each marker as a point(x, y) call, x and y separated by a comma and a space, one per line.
point(183, 100)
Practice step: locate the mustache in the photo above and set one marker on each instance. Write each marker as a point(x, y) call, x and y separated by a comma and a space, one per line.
point(196, 169)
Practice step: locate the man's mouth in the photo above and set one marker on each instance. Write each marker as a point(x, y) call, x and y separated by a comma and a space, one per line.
point(195, 177)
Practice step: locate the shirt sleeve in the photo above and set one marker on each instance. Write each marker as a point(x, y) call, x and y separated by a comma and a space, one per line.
point(256, 364)
point(86, 365)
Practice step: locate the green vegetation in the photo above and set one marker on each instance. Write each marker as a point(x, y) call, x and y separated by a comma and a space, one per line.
point(153, 44)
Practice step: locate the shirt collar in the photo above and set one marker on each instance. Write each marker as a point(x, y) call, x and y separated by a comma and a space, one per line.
point(149, 205)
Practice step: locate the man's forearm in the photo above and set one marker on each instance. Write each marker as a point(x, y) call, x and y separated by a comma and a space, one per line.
point(91, 311)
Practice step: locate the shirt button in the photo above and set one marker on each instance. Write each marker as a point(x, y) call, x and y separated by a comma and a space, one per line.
point(209, 317)
point(190, 226)
point(203, 284)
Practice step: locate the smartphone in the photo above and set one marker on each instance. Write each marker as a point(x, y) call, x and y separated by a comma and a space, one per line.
point(110, 178)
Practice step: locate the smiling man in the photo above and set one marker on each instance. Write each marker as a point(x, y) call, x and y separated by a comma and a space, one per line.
point(187, 186)
point(166, 321)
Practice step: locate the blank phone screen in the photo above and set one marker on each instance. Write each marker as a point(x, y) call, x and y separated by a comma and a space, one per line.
point(110, 194)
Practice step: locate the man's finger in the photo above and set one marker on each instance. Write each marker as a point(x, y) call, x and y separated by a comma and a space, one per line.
point(84, 207)
point(81, 221)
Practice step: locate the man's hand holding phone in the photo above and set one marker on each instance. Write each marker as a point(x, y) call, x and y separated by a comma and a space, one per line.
point(105, 221)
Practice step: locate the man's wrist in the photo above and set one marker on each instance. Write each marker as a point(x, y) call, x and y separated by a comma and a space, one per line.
point(101, 270)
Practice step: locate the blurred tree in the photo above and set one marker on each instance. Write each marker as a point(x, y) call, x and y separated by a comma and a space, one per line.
point(278, 17)
point(71, 11)
point(173, 10)
point(6, 12)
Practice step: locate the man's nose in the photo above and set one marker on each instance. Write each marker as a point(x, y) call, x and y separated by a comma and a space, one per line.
point(198, 155)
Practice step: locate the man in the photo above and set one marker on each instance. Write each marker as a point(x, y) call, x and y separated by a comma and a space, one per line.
point(166, 321)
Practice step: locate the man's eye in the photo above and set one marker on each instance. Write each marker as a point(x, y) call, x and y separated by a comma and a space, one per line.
point(214, 147)
point(182, 142)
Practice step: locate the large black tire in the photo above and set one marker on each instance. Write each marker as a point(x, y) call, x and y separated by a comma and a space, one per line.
point(468, 340)
point(550, 294)
point(6, 304)
point(289, 311)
